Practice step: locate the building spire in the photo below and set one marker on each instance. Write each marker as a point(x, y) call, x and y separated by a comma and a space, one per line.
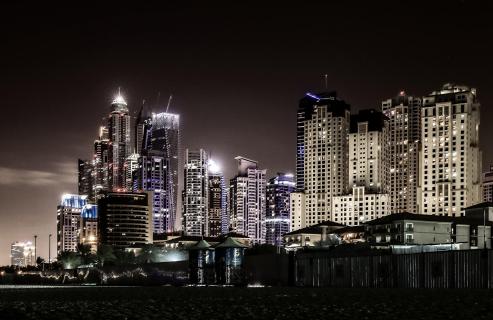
point(169, 102)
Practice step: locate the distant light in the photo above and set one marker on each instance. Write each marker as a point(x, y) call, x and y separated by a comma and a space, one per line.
point(119, 100)
point(402, 93)
point(213, 166)
point(311, 95)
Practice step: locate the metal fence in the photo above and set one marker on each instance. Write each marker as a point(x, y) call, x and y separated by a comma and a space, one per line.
point(447, 269)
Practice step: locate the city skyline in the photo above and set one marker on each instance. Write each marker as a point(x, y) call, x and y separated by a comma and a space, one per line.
point(63, 108)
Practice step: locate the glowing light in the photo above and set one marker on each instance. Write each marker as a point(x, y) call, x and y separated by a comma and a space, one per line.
point(213, 166)
point(119, 100)
point(311, 95)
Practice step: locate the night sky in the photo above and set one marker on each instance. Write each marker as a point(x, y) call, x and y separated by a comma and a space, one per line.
point(236, 73)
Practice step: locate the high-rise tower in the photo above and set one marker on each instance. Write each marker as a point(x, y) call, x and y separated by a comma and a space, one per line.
point(195, 193)
point(247, 200)
point(277, 218)
point(404, 113)
point(368, 196)
point(450, 170)
point(119, 137)
point(160, 160)
point(217, 217)
point(322, 154)
point(86, 177)
point(101, 163)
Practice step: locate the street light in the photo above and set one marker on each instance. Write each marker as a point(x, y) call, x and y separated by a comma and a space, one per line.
point(49, 248)
point(35, 257)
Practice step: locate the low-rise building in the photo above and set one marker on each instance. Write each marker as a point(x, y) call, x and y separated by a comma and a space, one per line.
point(480, 211)
point(312, 236)
point(186, 241)
point(412, 230)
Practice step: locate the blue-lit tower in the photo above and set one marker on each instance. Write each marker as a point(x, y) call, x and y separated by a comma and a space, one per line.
point(277, 219)
point(68, 221)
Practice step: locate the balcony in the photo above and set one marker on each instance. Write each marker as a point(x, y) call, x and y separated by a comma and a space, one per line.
point(409, 229)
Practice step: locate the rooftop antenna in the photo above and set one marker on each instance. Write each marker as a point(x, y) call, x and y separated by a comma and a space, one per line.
point(119, 93)
point(169, 102)
point(325, 78)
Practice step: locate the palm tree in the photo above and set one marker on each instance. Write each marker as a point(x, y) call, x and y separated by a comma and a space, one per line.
point(105, 254)
point(69, 259)
point(84, 250)
point(125, 257)
point(148, 254)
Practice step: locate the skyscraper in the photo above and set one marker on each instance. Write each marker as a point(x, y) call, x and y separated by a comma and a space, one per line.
point(101, 162)
point(130, 167)
point(404, 113)
point(368, 197)
point(120, 148)
point(277, 220)
point(86, 176)
point(161, 147)
point(247, 200)
point(152, 175)
point(450, 175)
point(322, 153)
point(195, 193)
point(125, 219)
point(69, 221)
point(142, 121)
point(89, 226)
point(22, 254)
point(217, 212)
point(488, 185)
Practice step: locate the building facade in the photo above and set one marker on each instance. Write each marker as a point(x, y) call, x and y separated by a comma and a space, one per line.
point(69, 222)
point(217, 201)
point(297, 210)
point(450, 175)
point(161, 143)
point(125, 219)
point(130, 167)
point(195, 194)
point(404, 114)
point(101, 163)
point(89, 226)
point(86, 175)
point(322, 153)
point(277, 218)
point(247, 200)
point(449, 233)
point(22, 254)
point(120, 147)
point(152, 175)
point(368, 198)
point(488, 185)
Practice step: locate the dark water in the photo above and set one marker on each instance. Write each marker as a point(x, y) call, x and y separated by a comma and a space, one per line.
point(241, 303)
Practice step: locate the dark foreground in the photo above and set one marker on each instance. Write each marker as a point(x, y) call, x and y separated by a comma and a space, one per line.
point(242, 303)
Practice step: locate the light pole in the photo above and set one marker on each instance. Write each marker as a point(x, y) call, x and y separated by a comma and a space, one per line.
point(49, 248)
point(35, 256)
point(484, 228)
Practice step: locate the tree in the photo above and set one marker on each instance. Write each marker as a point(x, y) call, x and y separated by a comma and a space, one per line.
point(84, 251)
point(69, 259)
point(39, 260)
point(105, 254)
point(125, 257)
point(149, 253)
point(331, 240)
